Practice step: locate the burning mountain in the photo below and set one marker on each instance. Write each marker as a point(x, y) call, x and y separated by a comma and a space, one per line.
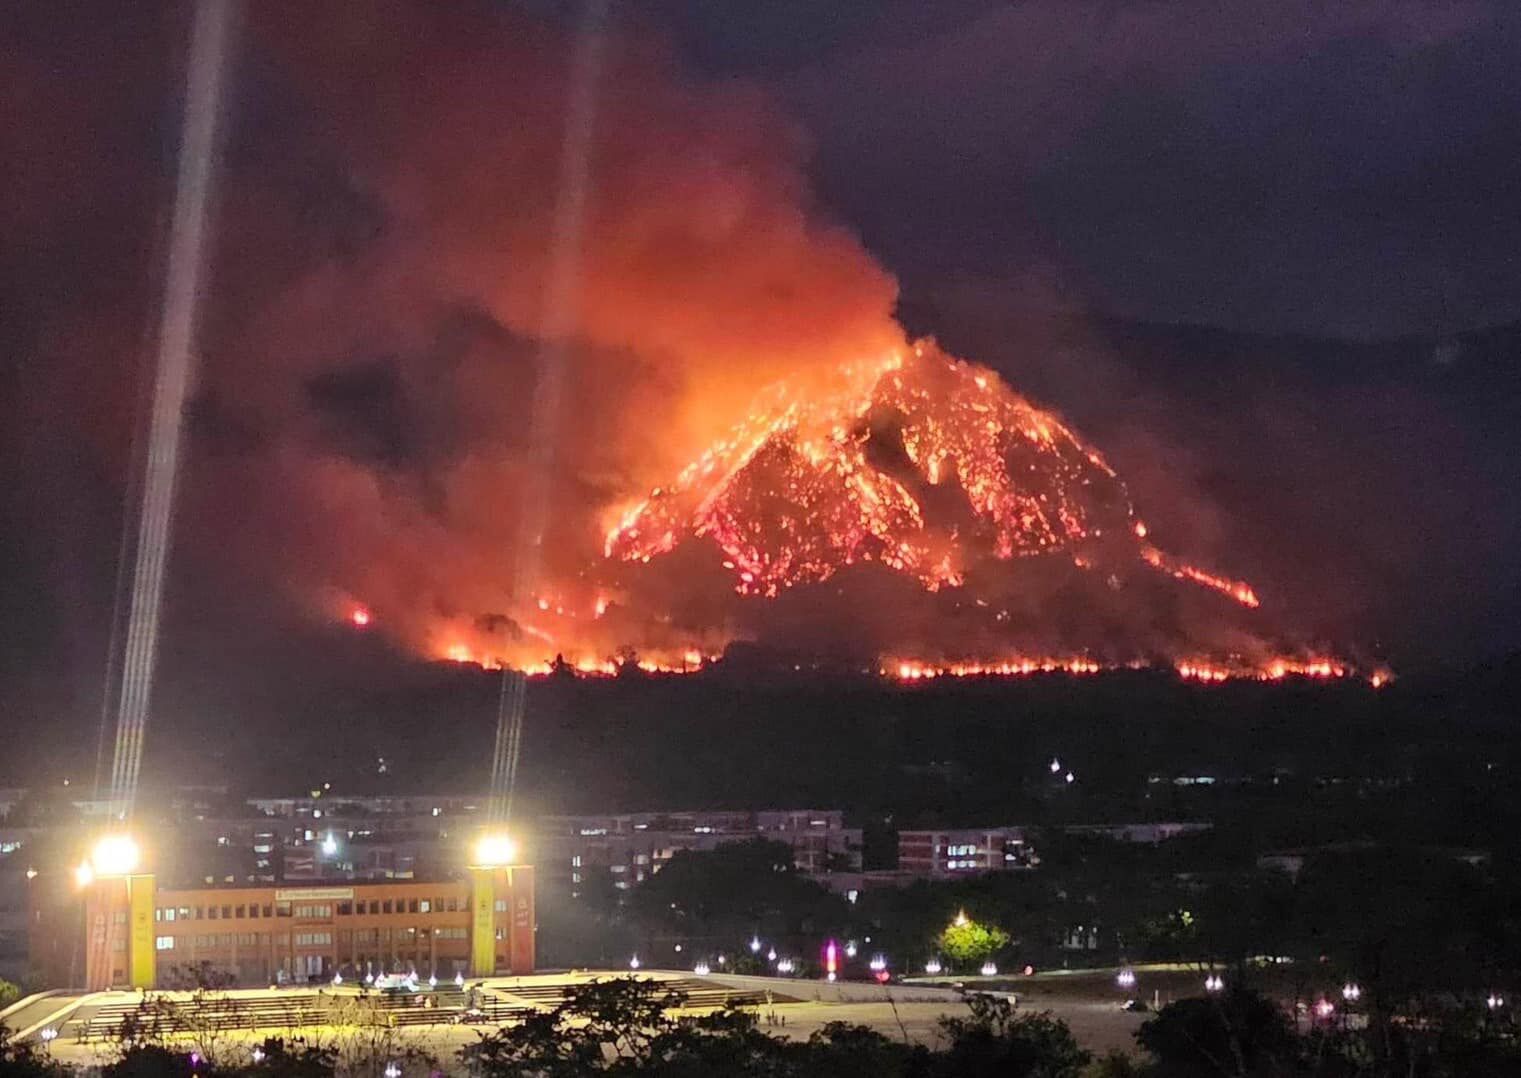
point(925, 465)
point(407, 431)
point(927, 474)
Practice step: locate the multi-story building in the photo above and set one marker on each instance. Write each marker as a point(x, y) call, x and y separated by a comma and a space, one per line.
point(966, 851)
point(137, 934)
point(1138, 832)
point(630, 847)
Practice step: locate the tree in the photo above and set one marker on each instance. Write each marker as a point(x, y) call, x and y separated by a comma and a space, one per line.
point(19, 1060)
point(733, 891)
point(626, 1015)
point(967, 942)
point(995, 1043)
point(1238, 1033)
point(624, 1028)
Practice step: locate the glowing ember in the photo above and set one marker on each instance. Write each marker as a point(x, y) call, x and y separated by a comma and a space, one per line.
point(812, 482)
point(359, 617)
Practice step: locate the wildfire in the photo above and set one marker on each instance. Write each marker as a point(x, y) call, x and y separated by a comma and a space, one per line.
point(926, 465)
point(809, 484)
point(1203, 670)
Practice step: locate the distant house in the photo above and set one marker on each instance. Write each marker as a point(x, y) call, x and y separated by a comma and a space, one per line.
point(1139, 832)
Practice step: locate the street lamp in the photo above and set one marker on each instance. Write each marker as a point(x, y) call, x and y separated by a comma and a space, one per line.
point(495, 851)
point(1125, 978)
point(633, 963)
point(1495, 1001)
point(933, 967)
point(878, 963)
point(989, 969)
point(1214, 983)
point(1351, 992)
point(48, 1035)
point(115, 855)
point(755, 945)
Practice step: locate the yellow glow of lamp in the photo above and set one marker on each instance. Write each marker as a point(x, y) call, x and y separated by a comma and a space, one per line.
point(493, 851)
point(115, 855)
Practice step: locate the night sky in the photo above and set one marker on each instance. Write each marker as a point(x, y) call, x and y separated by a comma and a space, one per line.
point(1264, 255)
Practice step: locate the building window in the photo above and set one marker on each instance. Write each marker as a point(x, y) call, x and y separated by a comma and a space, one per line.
point(345, 908)
point(211, 912)
point(501, 905)
point(424, 906)
point(412, 906)
point(313, 939)
point(164, 943)
point(385, 906)
point(240, 912)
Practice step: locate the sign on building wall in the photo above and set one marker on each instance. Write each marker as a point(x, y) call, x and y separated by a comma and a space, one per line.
point(482, 922)
point(302, 894)
point(142, 959)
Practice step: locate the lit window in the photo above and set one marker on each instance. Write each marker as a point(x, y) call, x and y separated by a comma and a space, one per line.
point(164, 943)
point(424, 906)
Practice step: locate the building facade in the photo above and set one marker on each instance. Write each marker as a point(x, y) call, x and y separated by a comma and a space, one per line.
point(631, 847)
point(140, 936)
point(971, 851)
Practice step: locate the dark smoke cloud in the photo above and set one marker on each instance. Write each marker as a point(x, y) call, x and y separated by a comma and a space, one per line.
point(372, 364)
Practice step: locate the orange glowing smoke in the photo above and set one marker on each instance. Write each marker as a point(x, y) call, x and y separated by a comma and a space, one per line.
point(797, 491)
